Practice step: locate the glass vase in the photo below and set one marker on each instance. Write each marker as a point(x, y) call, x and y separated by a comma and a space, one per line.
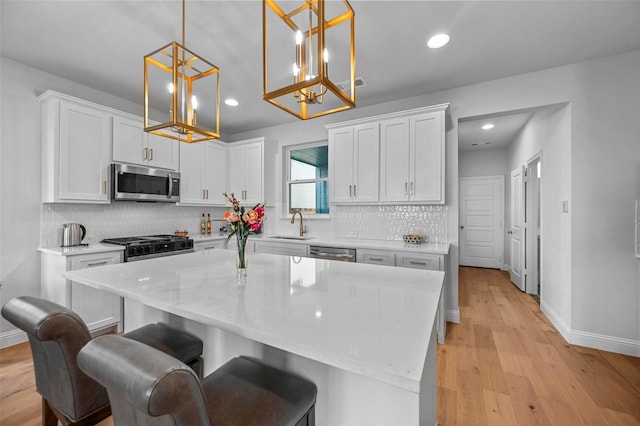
point(241, 258)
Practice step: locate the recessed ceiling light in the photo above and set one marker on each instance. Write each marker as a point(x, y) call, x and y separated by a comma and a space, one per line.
point(488, 126)
point(231, 102)
point(438, 40)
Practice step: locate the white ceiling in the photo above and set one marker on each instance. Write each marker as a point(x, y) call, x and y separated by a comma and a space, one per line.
point(101, 43)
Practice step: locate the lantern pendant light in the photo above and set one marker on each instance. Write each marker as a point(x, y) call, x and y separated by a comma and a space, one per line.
point(183, 90)
point(298, 36)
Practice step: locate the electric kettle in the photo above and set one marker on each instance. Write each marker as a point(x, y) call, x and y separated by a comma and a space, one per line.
point(72, 234)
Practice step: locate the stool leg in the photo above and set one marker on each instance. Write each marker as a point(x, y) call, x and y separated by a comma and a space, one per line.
point(48, 416)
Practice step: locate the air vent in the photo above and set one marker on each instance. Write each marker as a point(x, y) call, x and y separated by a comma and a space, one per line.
point(345, 86)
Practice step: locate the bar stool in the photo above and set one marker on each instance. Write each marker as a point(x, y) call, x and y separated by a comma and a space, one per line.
point(56, 335)
point(146, 386)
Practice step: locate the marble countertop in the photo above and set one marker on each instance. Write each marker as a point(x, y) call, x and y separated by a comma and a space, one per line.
point(77, 250)
point(368, 319)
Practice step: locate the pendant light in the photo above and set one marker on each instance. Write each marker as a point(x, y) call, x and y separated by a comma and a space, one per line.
point(184, 90)
point(299, 38)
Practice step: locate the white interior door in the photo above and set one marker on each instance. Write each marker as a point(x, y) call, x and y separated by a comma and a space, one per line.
point(516, 231)
point(481, 221)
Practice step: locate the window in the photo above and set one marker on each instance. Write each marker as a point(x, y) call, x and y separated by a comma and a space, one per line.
point(308, 178)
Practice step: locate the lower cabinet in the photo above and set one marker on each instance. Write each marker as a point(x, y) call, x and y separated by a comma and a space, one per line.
point(434, 262)
point(101, 311)
point(379, 257)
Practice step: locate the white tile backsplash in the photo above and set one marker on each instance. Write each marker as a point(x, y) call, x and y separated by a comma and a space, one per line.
point(121, 219)
point(391, 222)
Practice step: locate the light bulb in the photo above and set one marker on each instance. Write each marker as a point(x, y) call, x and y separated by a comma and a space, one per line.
point(296, 69)
point(170, 88)
point(298, 37)
point(194, 102)
point(325, 55)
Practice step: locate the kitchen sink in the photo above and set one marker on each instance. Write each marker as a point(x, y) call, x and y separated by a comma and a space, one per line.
point(290, 237)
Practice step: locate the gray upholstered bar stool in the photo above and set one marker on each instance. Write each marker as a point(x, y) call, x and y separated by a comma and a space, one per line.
point(56, 335)
point(147, 387)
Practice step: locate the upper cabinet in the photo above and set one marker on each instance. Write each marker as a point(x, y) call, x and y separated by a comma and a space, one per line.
point(245, 171)
point(353, 158)
point(76, 150)
point(203, 173)
point(412, 158)
point(131, 144)
point(394, 158)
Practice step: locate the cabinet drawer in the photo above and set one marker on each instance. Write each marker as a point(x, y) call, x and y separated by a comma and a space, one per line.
point(282, 248)
point(376, 257)
point(420, 261)
point(209, 245)
point(93, 260)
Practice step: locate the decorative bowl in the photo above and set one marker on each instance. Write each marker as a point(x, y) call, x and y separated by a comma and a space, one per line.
point(413, 239)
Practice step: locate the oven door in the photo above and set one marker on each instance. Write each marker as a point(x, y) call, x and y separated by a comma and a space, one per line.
point(333, 253)
point(135, 183)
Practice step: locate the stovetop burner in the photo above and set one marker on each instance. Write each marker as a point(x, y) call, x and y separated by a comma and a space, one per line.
point(146, 247)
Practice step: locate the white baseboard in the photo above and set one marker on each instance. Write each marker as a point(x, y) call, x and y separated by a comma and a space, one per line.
point(606, 343)
point(12, 337)
point(602, 342)
point(562, 327)
point(452, 315)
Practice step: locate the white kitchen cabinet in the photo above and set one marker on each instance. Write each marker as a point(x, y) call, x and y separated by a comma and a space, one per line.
point(131, 144)
point(101, 311)
point(281, 247)
point(202, 173)
point(378, 257)
point(245, 171)
point(353, 161)
point(412, 151)
point(76, 150)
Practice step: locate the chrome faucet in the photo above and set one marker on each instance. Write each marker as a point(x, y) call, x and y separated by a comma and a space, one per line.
point(303, 228)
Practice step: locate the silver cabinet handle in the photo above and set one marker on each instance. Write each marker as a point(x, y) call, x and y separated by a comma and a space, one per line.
point(376, 259)
point(350, 191)
point(104, 186)
point(93, 265)
point(207, 194)
point(354, 191)
point(412, 262)
point(170, 186)
point(411, 190)
point(405, 188)
point(203, 196)
point(151, 154)
point(145, 153)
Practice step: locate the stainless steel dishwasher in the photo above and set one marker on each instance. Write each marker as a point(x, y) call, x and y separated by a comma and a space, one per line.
point(333, 253)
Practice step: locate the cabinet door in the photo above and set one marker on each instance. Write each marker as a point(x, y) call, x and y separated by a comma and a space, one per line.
point(163, 152)
point(394, 160)
point(235, 173)
point(98, 309)
point(341, 156)
point(191, 173)
point(214, 172)
point(426, 135)
point(129, 141)
point(85, 150)
point(254, 174)
point(379, 257)
point(366, 162)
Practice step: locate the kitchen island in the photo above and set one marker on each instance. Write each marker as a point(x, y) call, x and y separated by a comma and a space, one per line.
point(365, 334)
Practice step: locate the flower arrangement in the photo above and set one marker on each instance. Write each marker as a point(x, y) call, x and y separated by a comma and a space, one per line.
point(243, 223)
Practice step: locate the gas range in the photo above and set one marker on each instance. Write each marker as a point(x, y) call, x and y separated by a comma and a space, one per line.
point(147, 247)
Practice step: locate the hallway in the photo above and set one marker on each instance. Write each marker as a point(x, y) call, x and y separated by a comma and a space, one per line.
point(505, 364)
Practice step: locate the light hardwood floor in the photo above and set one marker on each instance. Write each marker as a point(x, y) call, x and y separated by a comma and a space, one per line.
point(504, 364)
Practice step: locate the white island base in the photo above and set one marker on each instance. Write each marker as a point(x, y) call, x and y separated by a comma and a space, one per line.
point(364, 334)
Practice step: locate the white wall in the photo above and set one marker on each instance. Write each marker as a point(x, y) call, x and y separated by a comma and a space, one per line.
point(483, 162)
point(596, 163)
point(547, 133)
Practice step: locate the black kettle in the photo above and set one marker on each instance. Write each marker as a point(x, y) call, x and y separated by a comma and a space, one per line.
point(73, 234)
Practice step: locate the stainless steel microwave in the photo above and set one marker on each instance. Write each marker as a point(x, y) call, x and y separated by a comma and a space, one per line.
point(137, 183)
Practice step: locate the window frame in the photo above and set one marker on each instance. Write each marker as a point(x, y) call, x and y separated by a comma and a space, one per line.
point(286, 205)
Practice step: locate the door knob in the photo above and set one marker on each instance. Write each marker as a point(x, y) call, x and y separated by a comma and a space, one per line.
point(461, 226)
point(509, 232)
